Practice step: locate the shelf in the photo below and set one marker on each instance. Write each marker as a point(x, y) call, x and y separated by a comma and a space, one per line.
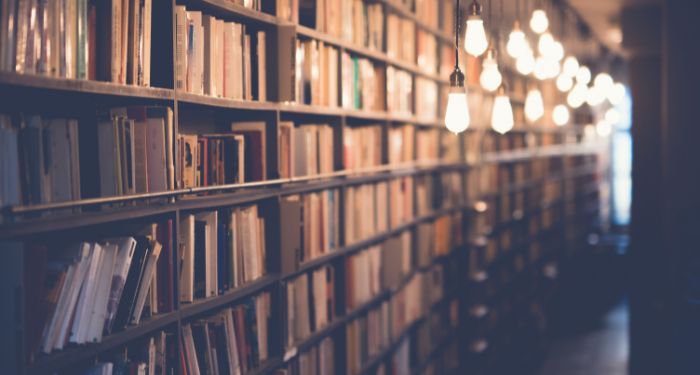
point(9, 81)
point(227, 9)
point(213, 101)
point(49, 363)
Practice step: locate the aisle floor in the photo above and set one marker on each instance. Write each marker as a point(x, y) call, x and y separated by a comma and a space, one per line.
point(600, 350)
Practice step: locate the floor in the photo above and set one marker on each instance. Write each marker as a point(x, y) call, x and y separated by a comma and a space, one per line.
point(600, 350)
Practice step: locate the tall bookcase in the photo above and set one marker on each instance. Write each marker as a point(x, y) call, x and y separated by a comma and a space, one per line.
point(525, 201)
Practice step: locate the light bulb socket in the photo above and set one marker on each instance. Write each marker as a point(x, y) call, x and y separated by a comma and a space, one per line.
point(516, 25)
point(457, 78)
point(475, 9)
point(491, 54)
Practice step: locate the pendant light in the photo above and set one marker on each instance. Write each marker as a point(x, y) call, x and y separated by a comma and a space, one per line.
point(577, 96)
point(490, 77)
point(516, 39)
point(526, 62)
point(603, 81)
point(457, 111)
point(502, 112)
point(539, 21)
point(583, 76)
point(475, 42)
point(616, 94)
point(564, 82)
point(534, 105)
point(570, 67)
point(560, 115)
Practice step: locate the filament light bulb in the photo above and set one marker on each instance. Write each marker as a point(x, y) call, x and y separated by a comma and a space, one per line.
point(560, 115)
point(475, 42)
point(603, 128)
point(539, 22)
point(564, 82)
point(595, 96)
point(502, 112)
point(490, 77)
point(516, 42)
point(583, 75)
point(577, 95)
point(545, 44)
point(525, 64)
point(570, 67)
point(604, 81)
point(457, 111)
point(534, 105)
point(612, 116)
point(541, 70)
point(616, 93)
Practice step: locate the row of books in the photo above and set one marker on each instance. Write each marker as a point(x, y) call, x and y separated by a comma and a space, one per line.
point(316, 76)
point(78, 39)
point(305, 150)
point(356, 21)
point(214, 159)
point(366, 211)
point(438, 238)
point(318, 360)
point(156, 356)
point(310, 303)
point(220, 250)
point(426, 46)
point(310, 226)
point(233, 341)
point(219, 58)
point(426, 99)
point(399, 92)
point(400, 40)
point(92, 289)
point(366, 337)
point(401, 144)
point(362, 147)
point(135, 151)
point(362, 83)
point(40, 160)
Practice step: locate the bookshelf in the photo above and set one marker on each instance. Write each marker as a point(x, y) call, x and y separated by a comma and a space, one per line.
point(469, 210)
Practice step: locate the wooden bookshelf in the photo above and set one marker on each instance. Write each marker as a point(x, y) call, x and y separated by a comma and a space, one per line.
point(22, 224)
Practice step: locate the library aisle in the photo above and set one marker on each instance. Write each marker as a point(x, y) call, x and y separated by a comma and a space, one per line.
point(361, 187)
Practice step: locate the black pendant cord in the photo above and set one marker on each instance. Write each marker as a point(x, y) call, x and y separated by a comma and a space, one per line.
point(457, 10)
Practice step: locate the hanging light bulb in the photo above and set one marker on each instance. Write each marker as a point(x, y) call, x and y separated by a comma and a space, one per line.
point(541, 69)
point(526, 62)
point(502, 112)
point(475, 42)
point(557, 51)
point(545, 44)
point(612, 116)
point(595, 96)
point(583, 75)
point(577, 95)
point(604, 81)
point(539, 22)
point(570, 67)
point(552, 67)
point(603, 128)
point(534, 105)
point(616, 93)
point(516, 41)
point(457, 111)
point(560, 115)
point(564, 82)
point(490, 77)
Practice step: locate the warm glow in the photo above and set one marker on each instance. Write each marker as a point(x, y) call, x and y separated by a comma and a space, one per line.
point(564, 82)
point(603, 81)
point(525, 63)
point(595, 96)
point(616, 94)
point(457, 112)
point(539, 22)
point(541, 71)
point(570, 67)
point(583, 75)
point(502, 114)
point(516, 43)
point(557, 51)
point(475, 42)
point(577, 96)
point(534, 105)
point(560, 115)
point(612, 116)
point(490, 77)
point(545, 44)
point(603, 128)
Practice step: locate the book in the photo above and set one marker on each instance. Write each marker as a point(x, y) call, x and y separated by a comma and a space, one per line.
point(310, 303)
point(362, 147)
